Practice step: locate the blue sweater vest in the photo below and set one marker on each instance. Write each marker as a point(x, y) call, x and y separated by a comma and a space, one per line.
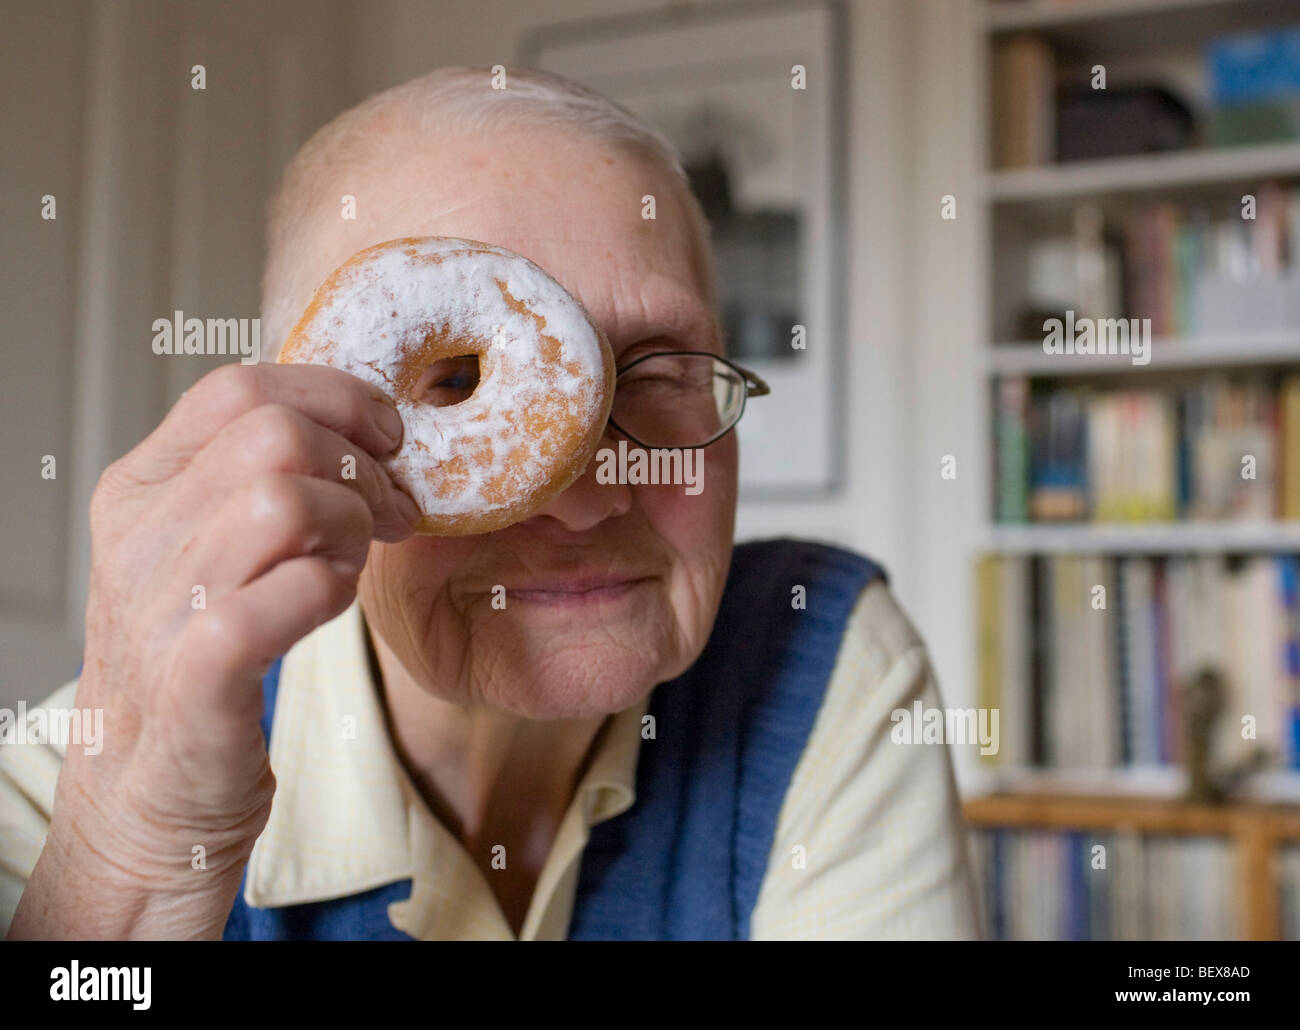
point(687, 859)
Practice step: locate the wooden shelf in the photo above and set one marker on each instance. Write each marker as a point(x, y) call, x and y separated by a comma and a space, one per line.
point(1159, 782)
point(1139, 815)
point(1167, 354)
point(1139, 173)
point(1257, 831)
point(1145, 538)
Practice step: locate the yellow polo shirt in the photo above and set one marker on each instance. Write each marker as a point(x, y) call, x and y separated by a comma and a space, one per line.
point(869, 841)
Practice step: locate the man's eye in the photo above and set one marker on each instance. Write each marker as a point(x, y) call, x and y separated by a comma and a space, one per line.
point(651, 379)
point(448, 381)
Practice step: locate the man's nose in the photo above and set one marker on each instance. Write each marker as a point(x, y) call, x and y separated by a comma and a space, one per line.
point(587, 502)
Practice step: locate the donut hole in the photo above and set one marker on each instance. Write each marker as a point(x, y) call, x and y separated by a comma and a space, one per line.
point(447, 381)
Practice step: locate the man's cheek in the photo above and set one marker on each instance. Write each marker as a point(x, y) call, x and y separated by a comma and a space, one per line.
point(691, 521)
point(402, 576)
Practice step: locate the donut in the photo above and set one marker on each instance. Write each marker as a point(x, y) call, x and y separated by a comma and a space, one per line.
point(398, 314)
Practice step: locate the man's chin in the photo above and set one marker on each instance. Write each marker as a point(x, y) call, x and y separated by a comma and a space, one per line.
point(581, 676)
point(576, 698)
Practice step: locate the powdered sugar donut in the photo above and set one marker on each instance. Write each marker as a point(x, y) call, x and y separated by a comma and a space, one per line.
point(399, 313)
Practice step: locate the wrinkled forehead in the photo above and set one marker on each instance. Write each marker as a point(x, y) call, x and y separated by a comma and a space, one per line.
point(612, 228)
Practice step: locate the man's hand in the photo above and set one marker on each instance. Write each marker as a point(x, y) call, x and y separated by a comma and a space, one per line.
point(231, 532)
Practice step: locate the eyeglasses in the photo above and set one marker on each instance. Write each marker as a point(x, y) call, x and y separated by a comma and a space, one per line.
point(681, 399)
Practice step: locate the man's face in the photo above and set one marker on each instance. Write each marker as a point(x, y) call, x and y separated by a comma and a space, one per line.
point(656, 556)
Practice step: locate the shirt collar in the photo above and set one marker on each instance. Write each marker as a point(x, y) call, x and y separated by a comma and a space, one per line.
point(341, 819)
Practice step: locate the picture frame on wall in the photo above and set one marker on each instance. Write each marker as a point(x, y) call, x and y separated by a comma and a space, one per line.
point(750, 94)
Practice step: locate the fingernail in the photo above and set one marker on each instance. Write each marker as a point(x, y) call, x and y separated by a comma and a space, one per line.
point(407, 508)
point(388, 421)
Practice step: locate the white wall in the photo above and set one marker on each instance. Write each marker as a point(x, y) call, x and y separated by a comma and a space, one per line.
point(160, 192)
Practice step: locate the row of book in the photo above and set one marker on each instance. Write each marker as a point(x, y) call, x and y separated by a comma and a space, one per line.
point(1192, 269)
point(1214, 449)
point(1097, 662)
point(1047, 885)
point(1191, 272)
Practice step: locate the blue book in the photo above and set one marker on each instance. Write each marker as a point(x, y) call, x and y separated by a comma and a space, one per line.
point(1255, 67)
point(1076, 888)
point(1289, 576)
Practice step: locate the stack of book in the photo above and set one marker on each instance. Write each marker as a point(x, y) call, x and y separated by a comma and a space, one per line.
point(1217, 449)
point(1088, 659)
point(1041, 885)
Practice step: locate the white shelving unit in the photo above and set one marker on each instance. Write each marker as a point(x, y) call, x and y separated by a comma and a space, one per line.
point(1118, 175)
point(1035, 196)
point(1167, 354)
point(1146, 538)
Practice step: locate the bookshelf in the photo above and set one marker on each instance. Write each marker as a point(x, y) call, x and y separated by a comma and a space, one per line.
point(1121, 175)
point(1255, 832)
point(1167, 354)
point(1146, 538)
point(1037, 200)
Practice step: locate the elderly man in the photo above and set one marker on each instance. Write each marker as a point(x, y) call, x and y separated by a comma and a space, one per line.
point(658, 736)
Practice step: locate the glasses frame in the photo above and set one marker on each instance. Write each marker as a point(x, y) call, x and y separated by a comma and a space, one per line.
point(754, 387)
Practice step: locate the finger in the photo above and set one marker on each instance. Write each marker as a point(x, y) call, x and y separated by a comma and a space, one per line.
point(276, 438)
point(228, 647)
point(349, 406)
point(274, 518)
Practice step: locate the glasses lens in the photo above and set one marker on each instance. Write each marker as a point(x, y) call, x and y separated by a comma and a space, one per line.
point(678, 400)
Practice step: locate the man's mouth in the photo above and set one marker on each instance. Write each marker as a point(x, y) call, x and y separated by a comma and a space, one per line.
point(575, 590)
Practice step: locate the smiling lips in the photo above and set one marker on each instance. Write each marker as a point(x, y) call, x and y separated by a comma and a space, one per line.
point(576, 590)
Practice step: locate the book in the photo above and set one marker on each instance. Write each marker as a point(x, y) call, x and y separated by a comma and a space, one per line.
point(1012, 455)
point(1040, 884)
point(1016, 654)
point(1289, 493)
point(1057, 475)
point(1023, 72)
point(988, 609)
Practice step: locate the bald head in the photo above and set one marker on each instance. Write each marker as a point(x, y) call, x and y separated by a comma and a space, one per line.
point(448, 115)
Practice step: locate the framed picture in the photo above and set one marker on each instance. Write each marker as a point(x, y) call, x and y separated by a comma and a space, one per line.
point(750, 94)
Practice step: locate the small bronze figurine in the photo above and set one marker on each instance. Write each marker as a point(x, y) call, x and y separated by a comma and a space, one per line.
point(1202, 703)
point(1203, 698)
